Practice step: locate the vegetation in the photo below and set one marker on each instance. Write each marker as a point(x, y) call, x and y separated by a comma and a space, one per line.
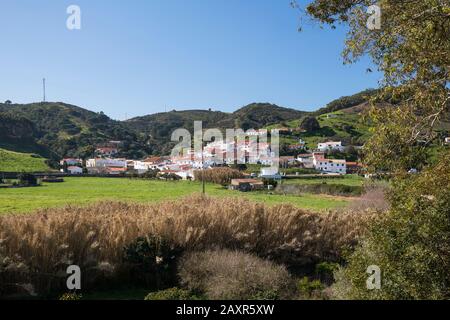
point(225, 275)
point(82, 191)
point(56, 130)
point(37, 248)
point(17, 162)
point(310, 124)
point(222, 176)
point(348, 101)
point(172, 294)
point(348, 180)
point(410, 244)
point(323, 188)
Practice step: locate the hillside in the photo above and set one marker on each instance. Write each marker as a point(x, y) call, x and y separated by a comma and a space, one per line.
point(160, 126)
point(15, 162)
point(57, 129)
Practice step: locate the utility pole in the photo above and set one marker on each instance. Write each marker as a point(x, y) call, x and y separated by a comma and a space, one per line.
point(43, 87)
point(203, 171)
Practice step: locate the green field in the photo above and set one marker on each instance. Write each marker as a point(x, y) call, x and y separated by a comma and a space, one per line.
point(348, 180)
point(87, 190)
point(17, 162)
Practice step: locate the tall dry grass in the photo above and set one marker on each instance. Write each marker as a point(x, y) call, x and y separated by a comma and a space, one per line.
point(37, 248)
point(221, 175)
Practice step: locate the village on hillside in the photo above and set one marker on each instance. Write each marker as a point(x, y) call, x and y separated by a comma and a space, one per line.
point(258, 155)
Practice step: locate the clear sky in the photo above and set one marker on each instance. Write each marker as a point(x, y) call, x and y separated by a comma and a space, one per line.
point(139, 57)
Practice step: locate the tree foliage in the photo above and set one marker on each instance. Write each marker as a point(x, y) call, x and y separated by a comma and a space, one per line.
point(412, 49)
point(310, 124)
point(411, 245)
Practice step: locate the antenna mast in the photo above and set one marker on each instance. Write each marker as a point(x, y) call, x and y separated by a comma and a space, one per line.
point(43, 87)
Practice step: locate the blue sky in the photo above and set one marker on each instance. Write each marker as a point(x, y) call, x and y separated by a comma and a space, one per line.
point(145, 56)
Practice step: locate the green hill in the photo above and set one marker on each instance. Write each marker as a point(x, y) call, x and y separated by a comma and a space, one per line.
point(14, 162)
point(160, 126)
point(55, 130)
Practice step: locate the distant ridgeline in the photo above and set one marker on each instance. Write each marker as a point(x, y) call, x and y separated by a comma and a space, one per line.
point(56, 130)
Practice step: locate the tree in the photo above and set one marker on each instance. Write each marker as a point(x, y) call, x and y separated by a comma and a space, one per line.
point(411, 245)
point(27, 179)
point(8, 102)
point(310, 124)
point(411, 242)
point(412, 50)
point(65, 167)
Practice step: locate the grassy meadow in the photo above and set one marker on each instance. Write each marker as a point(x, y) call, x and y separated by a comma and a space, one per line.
point(347, 180)
point(82, 191)
point(16, 162)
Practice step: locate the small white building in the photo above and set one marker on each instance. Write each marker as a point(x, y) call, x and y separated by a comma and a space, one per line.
point(100, 162)
point(71, 162)
point(329, 165)
point(447, 140)
point(74, 170)
point(330, 145)
point(306, 159)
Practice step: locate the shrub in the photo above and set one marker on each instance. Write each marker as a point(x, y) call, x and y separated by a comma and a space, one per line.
point(310, 124)
point(222, 175)
point(172, 294)
point(152, 261)
point(310, 289)
point(71, 296)
point(27, 179)
point(325, 271)
point(224, 274)
point(373, 198)
point(410, 244)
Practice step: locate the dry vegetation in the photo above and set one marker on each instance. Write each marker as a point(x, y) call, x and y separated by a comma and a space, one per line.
point(373, 198)
point(37, 248)
point(225, 274)
point(222, 176)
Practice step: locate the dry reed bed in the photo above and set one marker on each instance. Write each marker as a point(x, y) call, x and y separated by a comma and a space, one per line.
point(93, 237)
point(221, 175)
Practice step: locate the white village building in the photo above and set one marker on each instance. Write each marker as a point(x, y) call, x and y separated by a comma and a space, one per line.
point(329, 165)
point(330, 145)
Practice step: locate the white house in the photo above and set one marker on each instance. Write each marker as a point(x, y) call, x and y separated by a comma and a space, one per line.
point(99, 162)
point(447, 140)
point(330, 145)
point(270, 173)
point(329, 165)
point(74, 170)
point(71, 162)
point(306, 159)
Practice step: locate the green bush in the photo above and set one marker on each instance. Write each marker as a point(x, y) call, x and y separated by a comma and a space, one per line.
point(325, 271)
point(310, 289)
point(152, 261)
point(172, 294)
point(27, 179)
point(410, 244)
